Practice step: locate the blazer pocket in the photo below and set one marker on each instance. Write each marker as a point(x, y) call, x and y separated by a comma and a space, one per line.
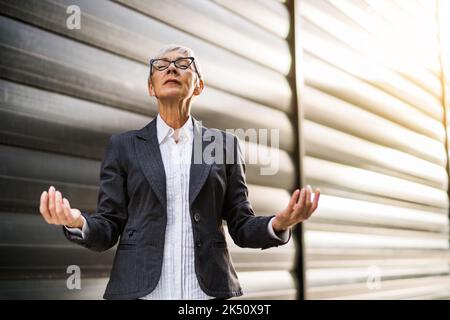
point(128, 240)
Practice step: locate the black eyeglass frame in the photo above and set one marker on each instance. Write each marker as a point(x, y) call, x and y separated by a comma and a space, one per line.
point(174, 63)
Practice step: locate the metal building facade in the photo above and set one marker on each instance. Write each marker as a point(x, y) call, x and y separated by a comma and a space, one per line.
point(372, 133)
point(64, 92)
point(374, 139)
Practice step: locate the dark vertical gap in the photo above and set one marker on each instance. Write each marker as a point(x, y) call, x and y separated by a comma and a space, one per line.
point(296, 83)
point(444, 93)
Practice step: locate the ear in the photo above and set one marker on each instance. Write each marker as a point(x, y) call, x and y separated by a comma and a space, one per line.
point(199, 87)
point(151, 90)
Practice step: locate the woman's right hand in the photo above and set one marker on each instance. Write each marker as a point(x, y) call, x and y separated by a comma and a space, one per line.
point(56, 210)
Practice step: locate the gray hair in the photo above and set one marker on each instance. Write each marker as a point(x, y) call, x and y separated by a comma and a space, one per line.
point(176, 47)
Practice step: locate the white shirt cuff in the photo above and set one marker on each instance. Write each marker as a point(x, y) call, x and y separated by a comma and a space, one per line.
point(283, 236)
point(76, 231)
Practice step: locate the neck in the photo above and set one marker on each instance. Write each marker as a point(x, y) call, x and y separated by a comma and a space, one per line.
point(175, 114)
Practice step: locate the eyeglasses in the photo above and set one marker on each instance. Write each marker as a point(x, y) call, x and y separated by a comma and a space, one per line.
point(182, 63)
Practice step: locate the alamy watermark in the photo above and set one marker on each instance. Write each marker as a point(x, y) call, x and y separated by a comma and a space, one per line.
point(258, 147)
point(73, 21)
point(74, 280)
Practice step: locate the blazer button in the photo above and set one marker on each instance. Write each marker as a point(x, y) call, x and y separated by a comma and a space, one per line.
point(196, 217)
point(198, 243)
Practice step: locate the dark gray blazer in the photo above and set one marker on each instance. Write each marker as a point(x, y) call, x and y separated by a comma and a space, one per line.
point(132, 206)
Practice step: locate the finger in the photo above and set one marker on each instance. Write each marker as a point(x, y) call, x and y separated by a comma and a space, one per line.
point(301, 201)
point(43, 207)
point(66, 203)
point(315, 203)
point(51, 203)
point(294, 198)
point(308, 197)
point(59, 208)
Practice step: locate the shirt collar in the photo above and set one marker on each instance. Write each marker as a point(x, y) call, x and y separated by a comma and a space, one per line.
point(163, 130)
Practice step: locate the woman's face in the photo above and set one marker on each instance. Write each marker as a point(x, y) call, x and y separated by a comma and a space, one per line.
point(174, 83)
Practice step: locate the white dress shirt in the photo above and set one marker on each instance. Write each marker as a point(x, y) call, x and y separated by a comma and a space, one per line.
point(178, 278)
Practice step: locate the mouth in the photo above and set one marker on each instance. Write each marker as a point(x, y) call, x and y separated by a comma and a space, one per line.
point(172, 81)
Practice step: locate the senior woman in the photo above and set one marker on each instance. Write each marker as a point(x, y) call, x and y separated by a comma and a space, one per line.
point(165, 206)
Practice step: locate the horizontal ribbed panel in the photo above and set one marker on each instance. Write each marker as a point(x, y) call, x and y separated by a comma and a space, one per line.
point(64, 92)
point(375, 145)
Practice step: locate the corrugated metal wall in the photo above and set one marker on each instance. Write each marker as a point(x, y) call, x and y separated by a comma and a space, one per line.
point(373, 132)
point(374, 144)
point(64, 92)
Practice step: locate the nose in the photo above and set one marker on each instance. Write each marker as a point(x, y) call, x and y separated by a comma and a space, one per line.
point(172, 68)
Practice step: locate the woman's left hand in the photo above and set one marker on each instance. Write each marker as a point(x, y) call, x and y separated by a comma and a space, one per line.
point(298, 210)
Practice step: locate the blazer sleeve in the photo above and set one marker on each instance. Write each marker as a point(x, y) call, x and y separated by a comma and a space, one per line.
point(246, 229)
point(107, 223)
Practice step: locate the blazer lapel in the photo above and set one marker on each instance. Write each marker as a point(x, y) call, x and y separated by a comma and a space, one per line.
point(150, 160)
point(200, 170)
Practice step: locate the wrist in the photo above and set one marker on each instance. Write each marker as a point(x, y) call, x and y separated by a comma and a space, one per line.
point(77, 223)
point(277, 226)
